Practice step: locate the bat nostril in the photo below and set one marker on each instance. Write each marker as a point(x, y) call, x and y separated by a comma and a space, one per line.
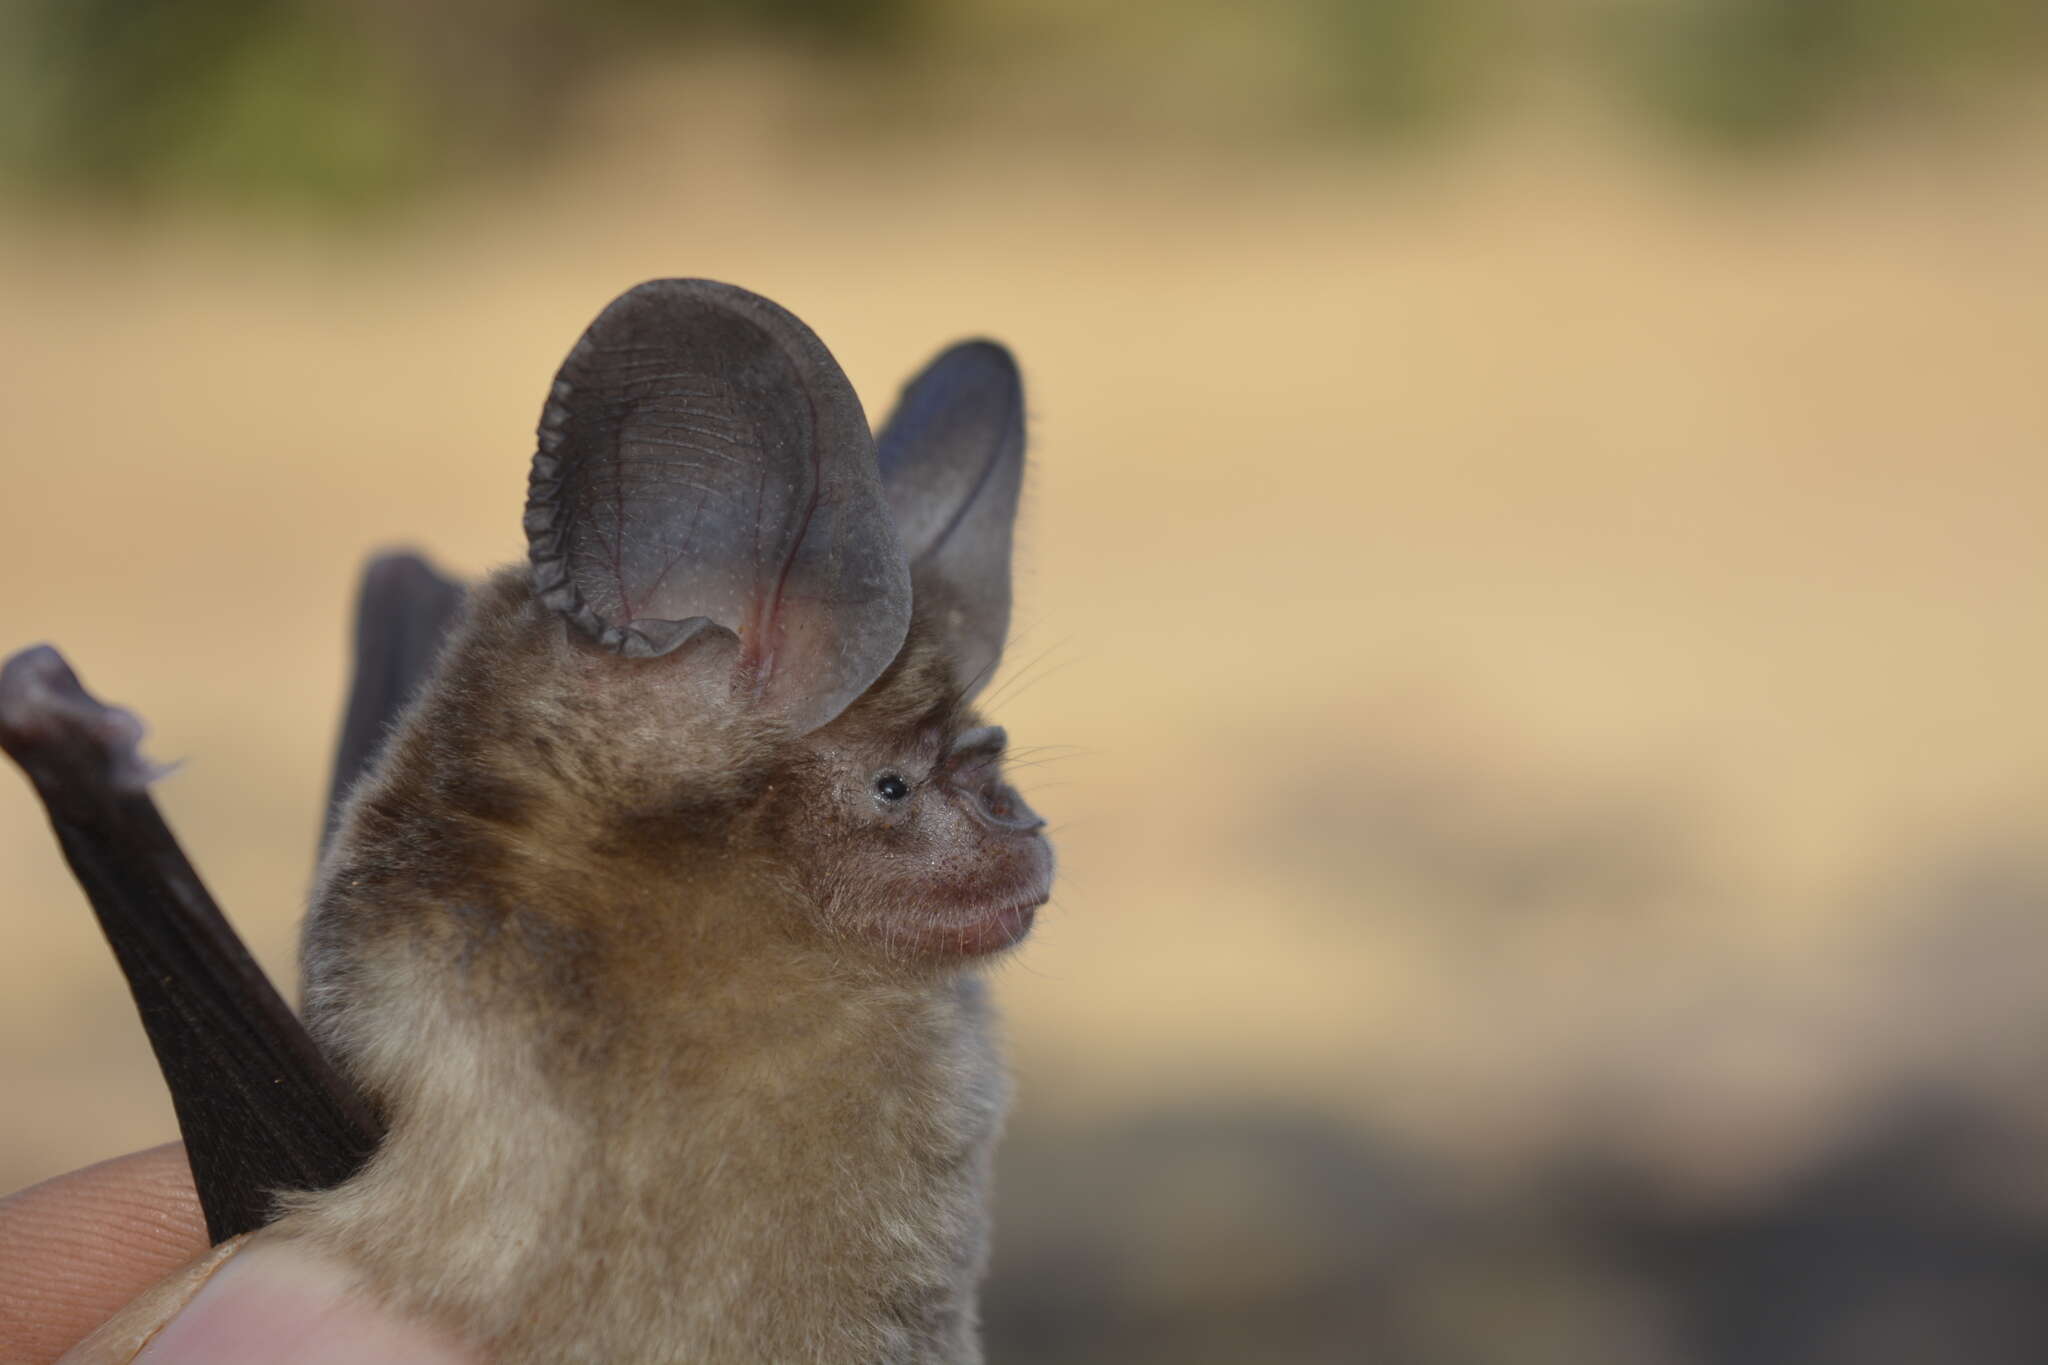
point(1004, 810)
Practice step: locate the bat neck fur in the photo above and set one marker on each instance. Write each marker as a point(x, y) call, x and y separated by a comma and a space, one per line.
point(639, 1110)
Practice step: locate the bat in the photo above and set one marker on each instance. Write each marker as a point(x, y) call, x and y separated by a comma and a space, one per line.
point(645, 1015)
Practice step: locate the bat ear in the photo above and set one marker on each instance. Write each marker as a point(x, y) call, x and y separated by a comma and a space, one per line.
point(952, 458)
point(705, 470)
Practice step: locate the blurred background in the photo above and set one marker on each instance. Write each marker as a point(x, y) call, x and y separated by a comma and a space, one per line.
point(1532, 584)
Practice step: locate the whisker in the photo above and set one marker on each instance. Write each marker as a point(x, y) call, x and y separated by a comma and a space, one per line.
point(1056, 750)
point(1015, 681)
point(1025, 679)
point(1033, 763)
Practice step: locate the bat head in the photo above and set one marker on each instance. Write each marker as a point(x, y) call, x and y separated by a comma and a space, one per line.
point(737, 681)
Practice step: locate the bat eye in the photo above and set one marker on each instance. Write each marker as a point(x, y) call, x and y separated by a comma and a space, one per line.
point(891, 787)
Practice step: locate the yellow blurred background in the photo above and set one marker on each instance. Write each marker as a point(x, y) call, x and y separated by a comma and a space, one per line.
point(1532, 579)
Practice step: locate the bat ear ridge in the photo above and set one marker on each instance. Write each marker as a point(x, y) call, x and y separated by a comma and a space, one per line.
point(704, 469)
point(952, 462)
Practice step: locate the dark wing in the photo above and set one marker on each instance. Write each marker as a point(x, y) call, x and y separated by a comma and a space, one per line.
point(403, 613)
point(260, 1107)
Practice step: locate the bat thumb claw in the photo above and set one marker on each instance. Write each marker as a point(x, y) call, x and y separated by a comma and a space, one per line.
point(64, 738)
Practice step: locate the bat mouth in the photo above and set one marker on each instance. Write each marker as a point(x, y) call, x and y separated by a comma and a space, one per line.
point(979, 934)
point(948, 920)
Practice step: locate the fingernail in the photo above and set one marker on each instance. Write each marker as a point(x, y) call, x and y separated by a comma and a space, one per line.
point(280, 1301)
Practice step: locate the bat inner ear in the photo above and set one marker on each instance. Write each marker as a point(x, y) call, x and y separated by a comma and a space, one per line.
point(705, 470)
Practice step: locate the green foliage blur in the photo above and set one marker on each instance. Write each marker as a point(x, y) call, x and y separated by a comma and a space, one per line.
point(1754, 71)
point(332, 102)
point(353, 102)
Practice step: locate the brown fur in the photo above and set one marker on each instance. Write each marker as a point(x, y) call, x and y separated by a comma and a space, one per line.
point(678, 1058)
